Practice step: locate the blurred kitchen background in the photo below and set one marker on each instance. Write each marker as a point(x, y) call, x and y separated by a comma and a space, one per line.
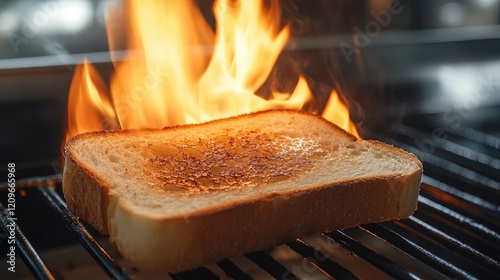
point(391, 59)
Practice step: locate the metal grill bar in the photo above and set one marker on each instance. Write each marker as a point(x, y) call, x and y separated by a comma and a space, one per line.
point(447, 165)
point(450, 242)
point(431, 159)
point(370, 256)
point(457, 149)
point(457, 218)
point(466, 180)
point(45, 181)
point(82, 234)
point(441, 250)
point(473, 201)
point(468, 133)
point(28, 253)
point(321, 261)
point(270, 265)
point(456, 231)
point(484, 206)
point(417, 251)
point(232, 270)
point(199, 273)
point(480, 214)
point(463, 184)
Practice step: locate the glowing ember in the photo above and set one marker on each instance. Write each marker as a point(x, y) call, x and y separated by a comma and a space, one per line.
point(172, 79)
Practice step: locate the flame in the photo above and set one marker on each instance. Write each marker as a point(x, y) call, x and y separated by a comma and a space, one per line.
point(181, 71)
point(337, 112)
point(89, 107)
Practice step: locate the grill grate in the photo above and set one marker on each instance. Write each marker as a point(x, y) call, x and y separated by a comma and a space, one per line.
point(372, 257)
point(28, 253)
point(455, 233)
point(82, 234)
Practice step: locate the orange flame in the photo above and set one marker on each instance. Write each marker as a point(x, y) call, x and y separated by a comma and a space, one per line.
point(337, 112)
point(89, 108)
point(173, 76)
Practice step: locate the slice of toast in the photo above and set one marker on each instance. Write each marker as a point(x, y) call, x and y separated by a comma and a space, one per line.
point(175, 198)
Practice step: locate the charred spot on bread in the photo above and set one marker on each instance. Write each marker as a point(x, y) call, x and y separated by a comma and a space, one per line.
point(232, 161)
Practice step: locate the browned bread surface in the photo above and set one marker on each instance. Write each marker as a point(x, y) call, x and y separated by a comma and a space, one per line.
point(176, 198)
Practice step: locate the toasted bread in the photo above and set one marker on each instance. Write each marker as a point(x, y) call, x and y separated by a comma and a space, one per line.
point(175, 198)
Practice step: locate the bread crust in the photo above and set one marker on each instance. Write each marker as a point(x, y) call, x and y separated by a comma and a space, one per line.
point(86, 195)
point(187, 240)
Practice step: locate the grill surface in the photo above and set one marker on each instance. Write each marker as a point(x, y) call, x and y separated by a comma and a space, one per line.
point(455, 232)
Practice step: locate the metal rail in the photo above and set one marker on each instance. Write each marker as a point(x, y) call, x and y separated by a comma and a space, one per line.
point(82, 234)
point(28, 252)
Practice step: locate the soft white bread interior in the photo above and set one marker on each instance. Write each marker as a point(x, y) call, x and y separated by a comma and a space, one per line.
point(175, 198)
